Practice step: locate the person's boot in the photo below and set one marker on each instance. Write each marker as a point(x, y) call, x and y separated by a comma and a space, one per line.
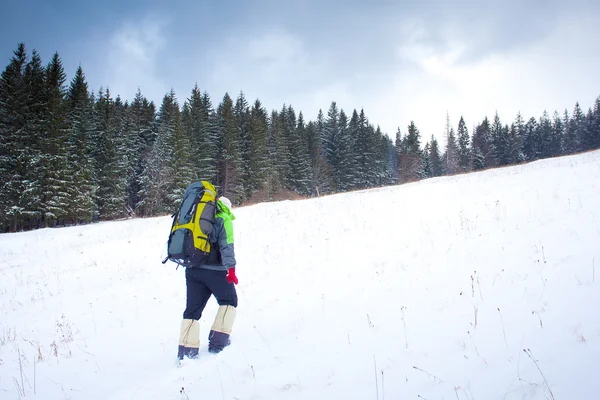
point(189, 339)
point(220, 332)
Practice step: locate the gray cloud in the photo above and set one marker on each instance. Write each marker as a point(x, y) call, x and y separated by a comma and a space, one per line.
point(133, 56)
point(400, 62)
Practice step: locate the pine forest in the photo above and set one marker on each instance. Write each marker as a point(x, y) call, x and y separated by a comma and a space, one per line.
point(71, 155)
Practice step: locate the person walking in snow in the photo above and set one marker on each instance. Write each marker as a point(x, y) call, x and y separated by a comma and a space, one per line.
point(215, 277)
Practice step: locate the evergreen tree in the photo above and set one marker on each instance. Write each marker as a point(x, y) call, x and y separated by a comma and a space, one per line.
point(13, 161)
point(595, 126)
point(397, 149)
point(56, 176)
point(209, 130)
point(517, 136)
point(482, 146)
point(109, 156)
point(501, 142)
point(451, 157)
point(299, 158)
point(589, 136)
point(344, 158)
point(578, 127)
point(320, 171)
point(464, 154)
point(242, 116)
point(158, 179)
point(33, 153)
point(554, 145)
point(437, 167)
point(330, 142)
point(544, 136)
point(142, 133)
point(389, 154)
point(277, 155)
point(183, 158)
point(288, 122)
point(364, 151)
point(258, 156)
point(411, 156)
point(569, 143)
point(353, 133)
point(229, 152)
point(531, 140)
point(383, 161)
point(82, 192)
point(427, 171)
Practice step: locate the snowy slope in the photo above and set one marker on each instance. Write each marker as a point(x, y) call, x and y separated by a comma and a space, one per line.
point(429, 290)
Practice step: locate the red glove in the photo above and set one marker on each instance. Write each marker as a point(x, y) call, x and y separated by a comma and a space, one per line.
point(231, 276)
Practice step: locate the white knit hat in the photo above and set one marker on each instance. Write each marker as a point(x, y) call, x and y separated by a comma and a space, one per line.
point(225, 201)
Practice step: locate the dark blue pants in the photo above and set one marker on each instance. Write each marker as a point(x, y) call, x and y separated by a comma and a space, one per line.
point(201, 284)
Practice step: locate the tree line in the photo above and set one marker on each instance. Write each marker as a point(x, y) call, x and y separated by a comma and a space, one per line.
point(69, 155)
point(496, 144)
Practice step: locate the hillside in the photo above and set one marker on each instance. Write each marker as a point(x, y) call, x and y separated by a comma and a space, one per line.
point(480, 286)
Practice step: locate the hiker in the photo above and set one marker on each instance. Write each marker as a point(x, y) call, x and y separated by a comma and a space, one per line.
point(214, 277)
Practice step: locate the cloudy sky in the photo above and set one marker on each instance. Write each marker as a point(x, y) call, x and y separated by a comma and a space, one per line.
point(399, 60)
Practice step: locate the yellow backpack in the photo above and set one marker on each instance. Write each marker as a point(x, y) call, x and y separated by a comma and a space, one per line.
point(188, 243)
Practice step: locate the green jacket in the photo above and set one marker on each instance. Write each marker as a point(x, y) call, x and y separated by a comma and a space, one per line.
point(222, 253)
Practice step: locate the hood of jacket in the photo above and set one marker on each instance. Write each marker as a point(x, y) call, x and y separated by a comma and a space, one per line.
point(223, 210)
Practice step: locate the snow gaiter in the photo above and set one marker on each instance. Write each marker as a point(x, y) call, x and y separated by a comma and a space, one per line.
point(220, 332)
point(189, 339)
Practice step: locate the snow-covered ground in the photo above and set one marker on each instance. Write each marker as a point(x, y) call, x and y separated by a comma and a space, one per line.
point(481, 286)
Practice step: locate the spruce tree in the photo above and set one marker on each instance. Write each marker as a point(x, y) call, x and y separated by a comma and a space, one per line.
point(501, 142)
point(437, 167)
point(383, 160)
point(344, 158)
point(397, 149)
point(142, 132)
point(451, 156)
point(557, 135)
point(82, 194)
point(427, 171)
point(363, 152)
point(545, 136)
point(33, 152)
point(481, 150)
point(531, 140)
point(56, 176)
point(595, 127)
point(288, 122)
point(13, 161)
point(517, 136)
point(242, 116)
point(110, 156)
point(464, 154)
point(210, 132)
point(578, 127)
point(411, 156)
point(158, 179)
point(229, 152)
point(569, 142)
point(330, 142)
point(589, 139)
point(258, 157)
point(277, 155)
point(320, 171)
point(299, 159)
point(352, 134)
point(183, 159)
